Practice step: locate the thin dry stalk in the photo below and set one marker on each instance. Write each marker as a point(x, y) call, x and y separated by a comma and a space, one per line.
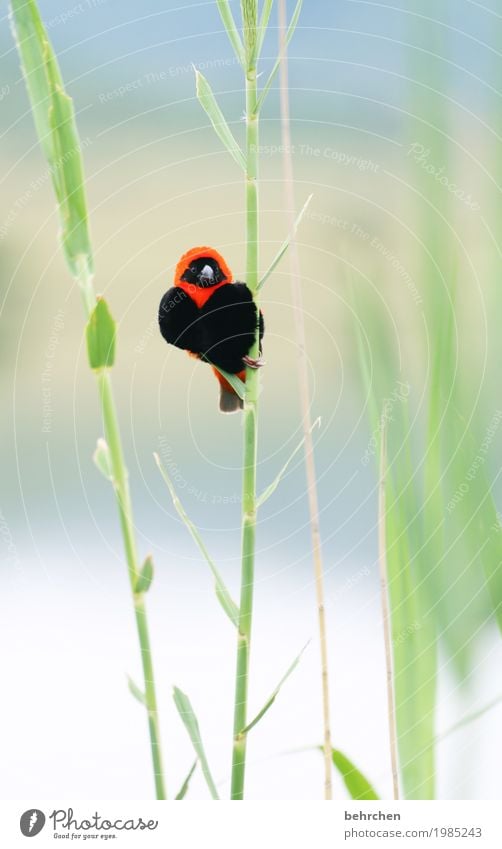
point(304, 388)
point(384, 590)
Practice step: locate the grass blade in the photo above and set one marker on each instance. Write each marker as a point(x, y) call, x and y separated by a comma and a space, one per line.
point(101, 332)
point(384, 591)
point(184, 787)
point(235, 382)
point(413, 633)
point(56, 128)
point(468, 718)
point(232, 31)
point(358, 787)
point(31, 43)
point(275, 483)
point(289, 36)
point(473, 535)
point(189, 720)
point(270, 701)
point(412, 625)
point(102, 459)
point(54, 118)
point(145, 576)
point(285, 245)
point(69, 177)
point(457, 552)
point(136, 692)
point(208, 102)
point(365, 365)
point(262, 28)
point(460, 514)
point(249, 12)
point(223, 595)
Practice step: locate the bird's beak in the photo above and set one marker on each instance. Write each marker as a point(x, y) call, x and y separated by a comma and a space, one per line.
point(206, 275)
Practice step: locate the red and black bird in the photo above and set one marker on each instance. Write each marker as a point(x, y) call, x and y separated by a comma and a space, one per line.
point(212, 318)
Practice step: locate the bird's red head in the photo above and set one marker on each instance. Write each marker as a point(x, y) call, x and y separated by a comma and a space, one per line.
point(202, 267)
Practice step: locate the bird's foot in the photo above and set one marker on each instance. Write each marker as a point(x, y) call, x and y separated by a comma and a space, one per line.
point(252, 362)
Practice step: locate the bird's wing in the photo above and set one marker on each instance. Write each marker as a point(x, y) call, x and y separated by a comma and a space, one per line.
point(179, 320)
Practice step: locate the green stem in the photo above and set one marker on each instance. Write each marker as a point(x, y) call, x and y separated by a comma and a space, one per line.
point(250, 453)
point(124, 504)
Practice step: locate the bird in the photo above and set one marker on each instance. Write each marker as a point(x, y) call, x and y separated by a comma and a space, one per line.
point(213, 318)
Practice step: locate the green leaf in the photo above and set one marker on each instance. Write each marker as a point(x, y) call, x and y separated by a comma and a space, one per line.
point(222, 594)
point(184, 787)
point(213, 111)
point(189, 719)
point(101, 331)
point(413, 629)
point(136, 692)
point(145, 576)
point(462, 569)
point(275, 483)
point(365, 369)
point(262, 29)
point(472, 535)
point(235, 382)
point(31, 40)
point(249, 11)
point(289, 36)
point(54, 118)
point(468, 718)
point(102, 459)
point(232, 32)
point(69, 181)
point(285, 245)
point(270, 701)
point(358, 787)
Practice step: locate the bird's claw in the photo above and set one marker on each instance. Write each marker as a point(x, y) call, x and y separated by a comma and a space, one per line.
point(254, 363)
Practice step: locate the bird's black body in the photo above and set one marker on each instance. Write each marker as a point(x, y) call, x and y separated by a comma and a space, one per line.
point(222, 329)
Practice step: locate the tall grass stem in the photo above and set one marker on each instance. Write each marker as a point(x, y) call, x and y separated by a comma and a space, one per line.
point(249, 506)
point(384, 591)
point(304, 389)
point(124, 505)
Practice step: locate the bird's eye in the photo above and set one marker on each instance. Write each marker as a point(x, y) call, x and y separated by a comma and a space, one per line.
point(193, 269)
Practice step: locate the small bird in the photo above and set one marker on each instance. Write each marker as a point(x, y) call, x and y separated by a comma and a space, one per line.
point(213, 318)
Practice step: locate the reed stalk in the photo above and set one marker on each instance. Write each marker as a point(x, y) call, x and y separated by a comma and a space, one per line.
point(54, 119)
point(384, 595)
point(249, 506)
point(304, 389)
point(247, 52)
point(125, 511)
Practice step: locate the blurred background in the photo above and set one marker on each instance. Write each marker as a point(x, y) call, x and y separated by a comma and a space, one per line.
point(396, 130)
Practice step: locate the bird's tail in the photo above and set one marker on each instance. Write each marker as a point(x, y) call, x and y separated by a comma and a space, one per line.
point(229, 400)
